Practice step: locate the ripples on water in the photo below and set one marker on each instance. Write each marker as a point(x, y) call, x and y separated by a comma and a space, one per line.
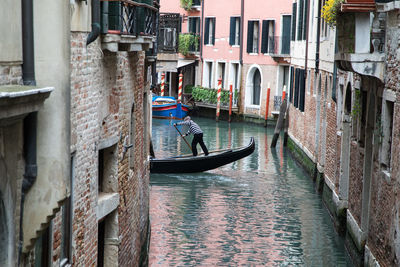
point(259, 211)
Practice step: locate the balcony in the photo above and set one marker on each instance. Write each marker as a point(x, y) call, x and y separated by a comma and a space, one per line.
point(279, 48)
point(358, 6)
point(361, 42)
point(196, 5)
point(128, 25)
point(168, 33)
point(189, 44)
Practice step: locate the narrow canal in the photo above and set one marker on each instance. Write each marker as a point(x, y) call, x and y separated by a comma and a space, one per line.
point(260, 211)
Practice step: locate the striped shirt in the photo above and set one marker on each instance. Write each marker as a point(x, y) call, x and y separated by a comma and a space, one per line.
point(193, 127)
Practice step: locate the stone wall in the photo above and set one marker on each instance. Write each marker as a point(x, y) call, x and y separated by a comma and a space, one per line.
point(105, 87)
point(10, 74)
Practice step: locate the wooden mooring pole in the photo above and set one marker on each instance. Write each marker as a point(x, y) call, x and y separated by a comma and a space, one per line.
point(280, 123)
point(219, 98)
point(267, 105)
point(230, 102)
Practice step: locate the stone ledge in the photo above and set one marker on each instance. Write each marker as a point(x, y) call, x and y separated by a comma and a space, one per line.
point(16, 101)
point(106, 203)
point(355, 231)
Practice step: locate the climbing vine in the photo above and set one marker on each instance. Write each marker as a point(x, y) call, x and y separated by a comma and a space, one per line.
point(186, 4)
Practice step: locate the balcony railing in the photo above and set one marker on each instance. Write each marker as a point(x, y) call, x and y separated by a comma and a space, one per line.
point(168, 32)
point(189, 43)
point(279, 45)
point(128, 18)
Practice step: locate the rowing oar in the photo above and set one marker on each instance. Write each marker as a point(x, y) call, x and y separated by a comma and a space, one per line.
point(183, 138)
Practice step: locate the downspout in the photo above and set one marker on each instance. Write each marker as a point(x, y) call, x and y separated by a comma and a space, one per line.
point(241, 31)
point(95, 22)
point(307, 29)
point(318, 37)
point(30, 175)
point(28, 55)
point(201, 30)
point(30, 122)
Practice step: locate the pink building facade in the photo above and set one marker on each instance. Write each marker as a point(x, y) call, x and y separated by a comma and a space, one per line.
point(246, 44)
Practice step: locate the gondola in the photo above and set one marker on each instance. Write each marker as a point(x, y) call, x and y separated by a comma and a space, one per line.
point(191, 164)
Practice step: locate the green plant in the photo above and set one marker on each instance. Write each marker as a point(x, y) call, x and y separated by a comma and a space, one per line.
point(356, 109)
point(208, 95)
point(188, 89)
point(186, 42)
point(186, 4)
point(329, 11)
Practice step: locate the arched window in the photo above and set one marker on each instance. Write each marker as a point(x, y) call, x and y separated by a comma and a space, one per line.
point(256, 88)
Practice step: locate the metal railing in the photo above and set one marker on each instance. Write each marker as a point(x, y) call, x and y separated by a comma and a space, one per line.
point(279, 45)
point(129, 17)
point(168, 32)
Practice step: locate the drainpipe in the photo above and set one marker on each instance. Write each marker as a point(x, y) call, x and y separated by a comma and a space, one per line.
point(307, 29)
point(30, 175)
point(202, 30)
point(241, 31)
point(95, 22)
point(28, 66)
point(318, 38)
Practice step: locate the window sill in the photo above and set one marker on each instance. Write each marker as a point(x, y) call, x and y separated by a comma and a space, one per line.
point(236, 46)
point(106, 203)
point(253, 106)
point(209, 45)
point(253, 54)
point(386, 175)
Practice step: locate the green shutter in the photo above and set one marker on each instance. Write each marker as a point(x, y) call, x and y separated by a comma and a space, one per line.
point(305, 20)
point(232, 31)
point(300, 20)
point(264, 36)
point(250, 30)
point(213, 36)
point(294, 17)
point(206, 30)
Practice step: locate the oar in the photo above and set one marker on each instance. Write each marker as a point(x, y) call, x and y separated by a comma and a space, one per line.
point(183, 138)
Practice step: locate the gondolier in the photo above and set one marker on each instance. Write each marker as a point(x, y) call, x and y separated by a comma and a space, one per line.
point(197, 135)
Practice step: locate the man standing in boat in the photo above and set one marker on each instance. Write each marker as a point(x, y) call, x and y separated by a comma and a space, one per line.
point(197, 135)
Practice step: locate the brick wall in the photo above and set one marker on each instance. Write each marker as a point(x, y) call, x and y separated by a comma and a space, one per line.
point(104, 87)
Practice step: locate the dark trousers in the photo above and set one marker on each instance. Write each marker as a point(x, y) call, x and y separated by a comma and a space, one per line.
point(198, 138)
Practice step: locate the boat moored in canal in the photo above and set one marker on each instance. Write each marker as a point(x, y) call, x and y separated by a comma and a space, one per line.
point(167, 107)
point(192, 164)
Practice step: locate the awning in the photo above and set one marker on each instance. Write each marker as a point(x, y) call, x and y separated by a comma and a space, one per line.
point(167, 66)
point(184, 62)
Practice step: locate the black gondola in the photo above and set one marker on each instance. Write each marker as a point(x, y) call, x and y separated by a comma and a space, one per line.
point(191, 164)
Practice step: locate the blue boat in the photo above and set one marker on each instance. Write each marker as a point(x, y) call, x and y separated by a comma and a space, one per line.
point(167, 107)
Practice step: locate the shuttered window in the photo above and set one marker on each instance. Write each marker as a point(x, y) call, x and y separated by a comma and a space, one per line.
point(302, 90)
point(234, 33)
point(296, 88)
point(300, 21)
point(291, 84)
point(268, 36)
point(294, 17)
point(252, 36)
point(209, 31)
point(305, 19)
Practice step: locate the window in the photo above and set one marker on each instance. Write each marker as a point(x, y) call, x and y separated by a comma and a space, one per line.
point(221, 73)
point(291, 87)
point(268, 38)
point(209, 31)
point(234, 36)
point(207, 77)
point(256, 88)
point(386, 134)
point(285, 46)
point(194, 25)
point(234, 75)
point(252, 36)
point(324, 25)
point(108, 169)
point(299, 89)
point(43, 249)
point(66, 223)
point(300, 20)
point(294, 17)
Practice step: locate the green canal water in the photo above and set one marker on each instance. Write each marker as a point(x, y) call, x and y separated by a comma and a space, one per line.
point(262, 210)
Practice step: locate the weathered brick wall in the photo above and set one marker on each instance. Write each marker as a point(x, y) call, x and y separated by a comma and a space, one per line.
point(104, 87)
point(10, 74)
point(356, 180)
point(384, 224)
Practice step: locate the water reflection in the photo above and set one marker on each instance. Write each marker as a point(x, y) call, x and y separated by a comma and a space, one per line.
point(258, 211)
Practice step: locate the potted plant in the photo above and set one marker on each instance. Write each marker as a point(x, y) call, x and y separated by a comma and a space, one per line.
point(329, 11)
